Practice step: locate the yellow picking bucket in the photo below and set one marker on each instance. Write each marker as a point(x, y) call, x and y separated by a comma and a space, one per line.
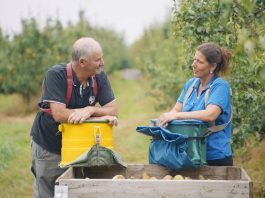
point(78, 138)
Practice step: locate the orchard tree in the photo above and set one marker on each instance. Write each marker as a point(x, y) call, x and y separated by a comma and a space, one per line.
point(24, 58)
point(4, 52)
point(238, 25)
point(161, 59)
point(27, 56)
point(113, 44)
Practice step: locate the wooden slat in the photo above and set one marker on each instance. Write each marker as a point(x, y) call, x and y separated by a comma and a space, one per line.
point(245, 176)
point(68, 174)
point(214, 173)
point(233, 173)
point(156, 188)
point(153, 170)
point(220, 182)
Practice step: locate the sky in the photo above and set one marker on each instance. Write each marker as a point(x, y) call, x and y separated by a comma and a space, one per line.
point(127, 17)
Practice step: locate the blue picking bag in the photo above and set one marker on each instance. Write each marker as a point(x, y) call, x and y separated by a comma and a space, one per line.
point(181, 145)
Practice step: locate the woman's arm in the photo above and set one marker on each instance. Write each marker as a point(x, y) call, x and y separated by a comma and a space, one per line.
point(208, 115)
point(177, 107)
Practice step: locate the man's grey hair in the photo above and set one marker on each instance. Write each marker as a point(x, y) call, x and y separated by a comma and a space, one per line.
point(83, 48)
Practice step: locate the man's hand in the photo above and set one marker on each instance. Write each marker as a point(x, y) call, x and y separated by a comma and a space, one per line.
point(112, 119)
point(80, 115)
point(62, 114)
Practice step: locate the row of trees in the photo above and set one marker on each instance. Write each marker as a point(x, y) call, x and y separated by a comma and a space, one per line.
point(166, 52)
point(27, 55)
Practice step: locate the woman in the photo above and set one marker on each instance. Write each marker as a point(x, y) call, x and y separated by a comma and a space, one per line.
point(210, 60)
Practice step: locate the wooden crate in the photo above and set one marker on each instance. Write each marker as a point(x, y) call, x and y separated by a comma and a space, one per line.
point(220, 182)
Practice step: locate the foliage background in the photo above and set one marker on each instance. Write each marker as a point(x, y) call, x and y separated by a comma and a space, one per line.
point(27, 55)
point(236, 25)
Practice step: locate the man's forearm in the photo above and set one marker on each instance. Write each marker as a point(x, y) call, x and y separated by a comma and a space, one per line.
point(103, 111)
point(61, 114)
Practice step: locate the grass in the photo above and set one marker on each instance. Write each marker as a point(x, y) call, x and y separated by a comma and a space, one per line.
point(12, 105)
point(135, 109)
point(132, 98)
point(251, 158)
point(8, 102)
point(15, 179)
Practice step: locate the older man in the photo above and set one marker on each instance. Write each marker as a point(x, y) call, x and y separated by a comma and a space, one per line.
point(57, 106)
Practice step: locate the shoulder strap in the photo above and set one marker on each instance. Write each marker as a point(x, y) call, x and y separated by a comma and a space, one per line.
point(208, 91)
point(213, 128)
point(69, 74)
point(95, 86)
point(187, 95)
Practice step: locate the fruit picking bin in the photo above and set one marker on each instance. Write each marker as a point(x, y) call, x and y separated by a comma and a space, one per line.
point(78, 138)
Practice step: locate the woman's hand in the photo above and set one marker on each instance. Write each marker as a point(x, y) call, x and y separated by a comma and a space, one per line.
point(163, 120)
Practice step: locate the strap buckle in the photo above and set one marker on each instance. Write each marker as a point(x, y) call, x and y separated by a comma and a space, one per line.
point(97, 134)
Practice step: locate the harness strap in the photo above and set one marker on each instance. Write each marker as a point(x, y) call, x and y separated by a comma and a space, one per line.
point(69, 73)
point(95, 86)
point(211, 124)
point(45, 110)
point(213, 128)
point(188, 93)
